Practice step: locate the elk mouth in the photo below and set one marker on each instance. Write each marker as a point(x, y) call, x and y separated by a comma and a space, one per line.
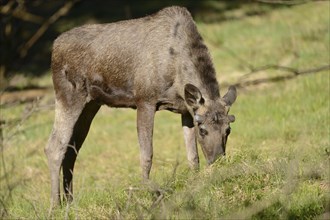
point(215, 158)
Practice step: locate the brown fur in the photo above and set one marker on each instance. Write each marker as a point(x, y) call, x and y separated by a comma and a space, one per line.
point(158, 62)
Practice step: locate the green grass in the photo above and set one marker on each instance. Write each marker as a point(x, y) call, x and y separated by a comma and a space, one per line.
point(277, 163)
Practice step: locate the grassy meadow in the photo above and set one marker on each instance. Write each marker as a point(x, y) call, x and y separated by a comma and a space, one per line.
point(277, 164)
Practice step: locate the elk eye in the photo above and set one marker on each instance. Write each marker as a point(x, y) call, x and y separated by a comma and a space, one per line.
point(202, 132)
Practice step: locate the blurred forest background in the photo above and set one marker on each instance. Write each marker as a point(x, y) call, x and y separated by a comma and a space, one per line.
point(28, 28)
point(277, 53)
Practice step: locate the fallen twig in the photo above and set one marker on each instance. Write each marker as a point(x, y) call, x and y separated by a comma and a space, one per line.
point(157, 201)
point(294, 73)
point(288, 2)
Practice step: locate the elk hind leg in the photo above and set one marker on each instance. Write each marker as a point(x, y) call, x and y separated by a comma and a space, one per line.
point(80, 131)
point(65, 119)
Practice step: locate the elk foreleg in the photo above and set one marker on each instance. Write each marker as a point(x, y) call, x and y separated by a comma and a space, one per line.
point(190, 140)
point(145, 123)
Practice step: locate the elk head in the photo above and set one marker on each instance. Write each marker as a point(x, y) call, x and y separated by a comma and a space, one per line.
point(211, 119)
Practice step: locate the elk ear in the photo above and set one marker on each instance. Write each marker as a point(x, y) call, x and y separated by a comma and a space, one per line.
point(193, 96)
point(231, 118)
point(230, 96)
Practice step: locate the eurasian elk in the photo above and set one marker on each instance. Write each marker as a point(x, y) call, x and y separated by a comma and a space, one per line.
point(158, 62)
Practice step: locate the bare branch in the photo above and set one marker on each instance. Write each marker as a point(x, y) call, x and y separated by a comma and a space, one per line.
point(288, 2)
point(26, 16)
point(241, 60)
point(24, 118)
point(7, 8)
point(158, 200)
point(61, 12)
point(294, 73)
point(19, 13)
